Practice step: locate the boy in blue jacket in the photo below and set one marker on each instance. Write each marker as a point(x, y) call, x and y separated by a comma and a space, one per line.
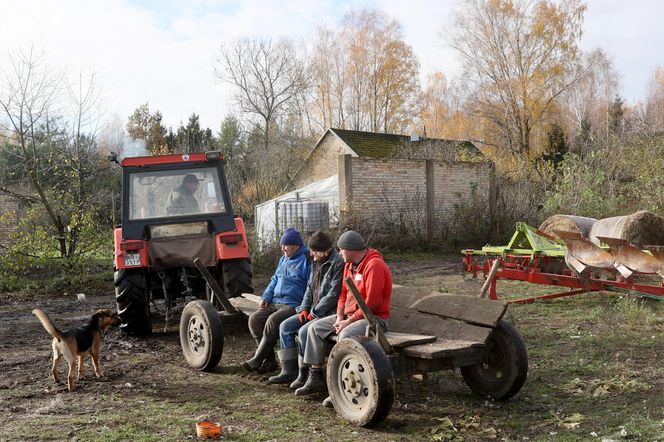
point(279, 300)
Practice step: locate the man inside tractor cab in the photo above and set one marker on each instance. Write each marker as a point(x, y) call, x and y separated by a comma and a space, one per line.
point(368, 270)
point(279, 300)
point(182, 201)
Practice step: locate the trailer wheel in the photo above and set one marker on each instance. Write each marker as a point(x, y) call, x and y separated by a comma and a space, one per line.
point(201, 335)
point(237, 276)
point(360, 381)
point(505, 369)
point(131, 296)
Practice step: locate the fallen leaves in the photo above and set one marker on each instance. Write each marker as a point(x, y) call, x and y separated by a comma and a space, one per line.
point(459, 429)
point(603, 388)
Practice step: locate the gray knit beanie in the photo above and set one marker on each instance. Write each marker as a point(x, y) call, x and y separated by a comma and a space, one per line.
point(351, 240)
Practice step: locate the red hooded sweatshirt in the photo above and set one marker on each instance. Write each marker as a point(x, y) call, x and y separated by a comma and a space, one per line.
point(374, 281)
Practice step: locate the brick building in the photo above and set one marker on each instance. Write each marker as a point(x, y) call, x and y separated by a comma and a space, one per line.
point(372, 178)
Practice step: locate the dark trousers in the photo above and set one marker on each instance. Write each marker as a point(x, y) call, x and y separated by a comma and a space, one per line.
point(264, 322)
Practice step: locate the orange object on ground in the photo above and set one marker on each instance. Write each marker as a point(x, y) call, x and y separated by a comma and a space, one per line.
point(208, 430)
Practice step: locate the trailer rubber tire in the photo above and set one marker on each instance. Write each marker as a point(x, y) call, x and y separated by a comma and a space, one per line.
point(201, 335)
point(505, 369)
point(237, 276)
point(360, 381)
point(131, 296)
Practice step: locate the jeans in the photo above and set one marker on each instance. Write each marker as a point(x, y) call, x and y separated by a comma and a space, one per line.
point(318, 345)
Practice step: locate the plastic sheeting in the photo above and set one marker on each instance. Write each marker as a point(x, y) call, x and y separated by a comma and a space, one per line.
point(268, 225)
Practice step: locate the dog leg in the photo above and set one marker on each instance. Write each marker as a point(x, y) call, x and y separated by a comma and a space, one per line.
point(56, 361)
point(70, 376)
point(81, 366)
point(95, 363)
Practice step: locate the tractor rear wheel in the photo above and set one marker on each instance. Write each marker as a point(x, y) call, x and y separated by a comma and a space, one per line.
point(237, 276)
point(131, 296)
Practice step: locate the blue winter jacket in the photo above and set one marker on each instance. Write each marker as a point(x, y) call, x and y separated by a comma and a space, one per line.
point(289, 281)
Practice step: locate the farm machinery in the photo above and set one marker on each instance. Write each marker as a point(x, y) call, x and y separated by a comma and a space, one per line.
point(569, 259)
point(178, 237)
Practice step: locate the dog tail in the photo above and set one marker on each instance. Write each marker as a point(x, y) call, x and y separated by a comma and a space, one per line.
point(46, 322)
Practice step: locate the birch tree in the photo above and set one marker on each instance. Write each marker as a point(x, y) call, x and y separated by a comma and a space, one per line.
point(517, 56)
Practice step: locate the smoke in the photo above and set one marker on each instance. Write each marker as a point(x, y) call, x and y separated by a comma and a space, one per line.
point(132, 147)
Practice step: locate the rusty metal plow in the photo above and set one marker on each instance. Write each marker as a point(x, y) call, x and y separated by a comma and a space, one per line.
point(582, 253)
point(626, 258)
point(630, 258)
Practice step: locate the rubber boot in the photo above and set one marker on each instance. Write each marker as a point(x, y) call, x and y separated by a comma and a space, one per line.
point(269, 364)
point(263, 351)
point(327, 403)
point(315, 383)
point(288, 360)
point(302, 374)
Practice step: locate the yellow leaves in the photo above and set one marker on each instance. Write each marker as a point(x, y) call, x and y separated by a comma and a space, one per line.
point(605, 387)
point(459, 429)
point(562, 420)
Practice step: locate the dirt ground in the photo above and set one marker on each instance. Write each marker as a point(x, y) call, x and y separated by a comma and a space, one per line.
point(595, 374)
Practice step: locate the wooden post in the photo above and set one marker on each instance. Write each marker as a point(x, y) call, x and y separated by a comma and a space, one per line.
point(489, 279)
point(214, 287)
point(430, 196)
point(373, 329)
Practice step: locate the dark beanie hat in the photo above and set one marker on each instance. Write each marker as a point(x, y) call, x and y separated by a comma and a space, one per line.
point(320, 242)
point(190, 178)
point(291, 237)
point(351, 240)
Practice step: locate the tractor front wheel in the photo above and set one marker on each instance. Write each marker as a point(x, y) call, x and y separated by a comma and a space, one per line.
point(131, 296)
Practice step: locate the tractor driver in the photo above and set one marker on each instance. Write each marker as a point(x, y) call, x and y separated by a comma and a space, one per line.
point(182, 201)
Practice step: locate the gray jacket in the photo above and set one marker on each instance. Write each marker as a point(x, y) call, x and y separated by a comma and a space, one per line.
point(329, 288)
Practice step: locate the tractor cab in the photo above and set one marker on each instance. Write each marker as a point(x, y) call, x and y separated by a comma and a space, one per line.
point(175, 208)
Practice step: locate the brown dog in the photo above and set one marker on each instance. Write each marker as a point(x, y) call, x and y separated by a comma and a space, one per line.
point(76, 343)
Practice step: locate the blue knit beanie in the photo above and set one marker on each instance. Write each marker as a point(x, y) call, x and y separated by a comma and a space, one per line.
point(291, 237)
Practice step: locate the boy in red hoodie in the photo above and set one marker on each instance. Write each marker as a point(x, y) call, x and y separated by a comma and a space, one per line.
point(373, 279)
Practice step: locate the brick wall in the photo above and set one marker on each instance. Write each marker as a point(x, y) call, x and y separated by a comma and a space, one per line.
point(422, 194)
point(388, 188)
point(323, 163)
point(8, 218)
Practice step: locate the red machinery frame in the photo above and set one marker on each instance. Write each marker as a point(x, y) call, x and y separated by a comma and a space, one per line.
point(529, 269)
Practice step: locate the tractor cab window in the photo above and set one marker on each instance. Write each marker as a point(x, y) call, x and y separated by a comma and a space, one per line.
point(172, 193)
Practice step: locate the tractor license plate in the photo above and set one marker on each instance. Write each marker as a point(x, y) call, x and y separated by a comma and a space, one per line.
point(132, 260)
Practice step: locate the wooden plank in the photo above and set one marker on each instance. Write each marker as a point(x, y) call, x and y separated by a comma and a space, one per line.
point(442, 348)
point(399, 340)
point(404, 320)
point(403, 296)
point(479, 311)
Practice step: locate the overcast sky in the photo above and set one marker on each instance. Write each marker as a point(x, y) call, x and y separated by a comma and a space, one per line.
point(162, 51)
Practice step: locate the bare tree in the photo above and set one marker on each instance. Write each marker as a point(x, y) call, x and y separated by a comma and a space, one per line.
point(517, 56)
point(655, 101)
point(268, 76)
point(365, 76)
point(587, 102)
point(53, 163)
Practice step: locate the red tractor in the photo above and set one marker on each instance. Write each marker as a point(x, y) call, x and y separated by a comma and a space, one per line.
point(175, 208)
